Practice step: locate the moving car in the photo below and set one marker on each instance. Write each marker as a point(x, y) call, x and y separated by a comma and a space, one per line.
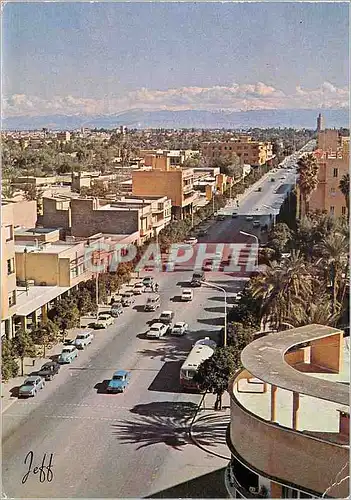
point(148, 280)
point(191, 241)
point(249, 217)
point(259, 189)
point(119, 381)
point(116, 299)
point(68, 354)
point(128, 299)
point(179, 329)
point(166, 317)
point(187, 295)
point(272, 179)
point(197, 278)
point(116, 309)
point(104, 320)
point(256, 223)
point(31, 386)
point(234, 215)
point(152, 303)
point(83, 340)
point(49, 370)
point(157, 330)
point(139, 288)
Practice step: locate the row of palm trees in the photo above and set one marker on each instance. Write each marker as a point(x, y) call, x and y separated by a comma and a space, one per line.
point(308, 286)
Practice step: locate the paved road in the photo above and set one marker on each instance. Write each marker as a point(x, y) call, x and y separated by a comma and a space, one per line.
point(134, 444)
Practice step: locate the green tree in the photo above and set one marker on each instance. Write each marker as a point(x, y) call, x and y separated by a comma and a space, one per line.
point(9, 365)
point(31, 192)
point(307, 168)
point(23, 346)
point(239, 336)
point(65, 314)
point(279, 238)
point(319, 311)
point(214, 373)
point(344, 187)
point(45, 333)
point(248, 310)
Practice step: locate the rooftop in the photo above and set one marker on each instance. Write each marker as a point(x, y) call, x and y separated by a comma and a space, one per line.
point(50, 248)
point(264, 358)
point(36, 296)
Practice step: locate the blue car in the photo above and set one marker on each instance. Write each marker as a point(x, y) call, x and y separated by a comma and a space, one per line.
point(119, 381)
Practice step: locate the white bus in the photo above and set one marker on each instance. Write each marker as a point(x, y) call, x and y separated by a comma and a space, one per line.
point(197, 355)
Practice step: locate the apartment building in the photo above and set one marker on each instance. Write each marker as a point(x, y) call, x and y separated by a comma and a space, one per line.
point(175, 183)
point(63, 136)
point(8, 270)
point(290, 417)
point(333, 165)
point(165, 159)
point(251, 152)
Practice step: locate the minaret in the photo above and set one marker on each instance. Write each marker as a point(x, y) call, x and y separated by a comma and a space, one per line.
point(320, 123)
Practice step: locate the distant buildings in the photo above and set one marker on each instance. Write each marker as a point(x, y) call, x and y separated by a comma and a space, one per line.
point(290, 417)
point(251, 152)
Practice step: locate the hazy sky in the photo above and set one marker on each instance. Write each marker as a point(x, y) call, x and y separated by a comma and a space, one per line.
point(109, 57)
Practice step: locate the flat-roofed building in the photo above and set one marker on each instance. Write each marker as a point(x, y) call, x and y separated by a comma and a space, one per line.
point(254, 153)
point(290, 420)
point(8, 269)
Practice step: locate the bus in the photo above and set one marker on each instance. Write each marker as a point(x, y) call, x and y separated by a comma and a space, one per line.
point(197, 355)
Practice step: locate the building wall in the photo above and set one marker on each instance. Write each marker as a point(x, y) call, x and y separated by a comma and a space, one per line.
point(8, 281)
point(251, 152)
point(328, 140)
point(328, 194)
point(53, 216)
point(159, 183)
point(37, 266)
point(25, 213)
point(87, 220)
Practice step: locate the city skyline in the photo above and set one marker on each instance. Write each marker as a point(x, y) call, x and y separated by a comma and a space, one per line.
point(72, 58)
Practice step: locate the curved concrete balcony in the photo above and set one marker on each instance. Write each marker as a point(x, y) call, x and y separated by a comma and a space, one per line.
point(290, 413)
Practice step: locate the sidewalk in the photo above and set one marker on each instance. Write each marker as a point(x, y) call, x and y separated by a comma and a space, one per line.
point(209, 428)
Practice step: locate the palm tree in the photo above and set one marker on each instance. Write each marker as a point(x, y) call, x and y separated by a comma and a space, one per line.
point(307, 168)
point(281, 285)
point(344, 187)
point(319, 311)
point(334, 250)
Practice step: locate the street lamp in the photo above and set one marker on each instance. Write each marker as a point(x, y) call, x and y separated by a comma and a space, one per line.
point(25, 269)
point(211, 285)
point(252, 236)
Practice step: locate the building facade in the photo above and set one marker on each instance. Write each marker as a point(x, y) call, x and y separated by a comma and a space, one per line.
point(251, 152)
point(8, 269)
point(289, 430)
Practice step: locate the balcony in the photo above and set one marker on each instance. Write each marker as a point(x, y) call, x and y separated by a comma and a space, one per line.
point(295, 411)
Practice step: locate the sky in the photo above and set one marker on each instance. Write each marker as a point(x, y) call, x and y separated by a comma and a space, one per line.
point(104, 58)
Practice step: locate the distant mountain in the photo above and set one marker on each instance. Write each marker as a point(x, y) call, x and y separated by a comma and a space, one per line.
point(295, 118)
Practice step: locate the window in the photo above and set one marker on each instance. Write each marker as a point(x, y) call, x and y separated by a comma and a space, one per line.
point(335, 172)
point(289, 492)
point(12, 298)
point(9, 233)
point(10, 266)
point(332, 210)
point(343, 210)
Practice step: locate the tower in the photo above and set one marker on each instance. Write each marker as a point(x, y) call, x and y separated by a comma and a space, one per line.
point(320, 122)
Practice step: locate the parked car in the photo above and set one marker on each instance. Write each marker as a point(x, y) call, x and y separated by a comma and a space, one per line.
point(83, 340)
point(68, 354)
point(234, 215)
point(157, 330)
point(104, 320)
point(221, 217)
point(119, 381)
point(49, 370)
point(31, 386)
point(128, 299)
point(272, 179)
point(197, 278)
point(116, 299)
point(259, 189)
point(249, 217)
point(179, 329)
point(152, 303)
point(116, 309)
point(166, 317)
point(139, 288)
point(191, 241)
point(187, 295)
point(256, 223)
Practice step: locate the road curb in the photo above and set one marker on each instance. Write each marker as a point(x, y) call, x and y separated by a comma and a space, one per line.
point(194, 439)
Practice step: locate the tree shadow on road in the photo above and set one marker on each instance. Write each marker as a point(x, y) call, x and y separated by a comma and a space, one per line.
point(166, 353)
point(167, 423)
point(212, 321)
point(215, 309)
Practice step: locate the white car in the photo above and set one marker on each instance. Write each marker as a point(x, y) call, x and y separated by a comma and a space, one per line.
point(187, 295)
point(157, 330)
point(249, 217)
point(104, 320)
point(191, 241)
point(179, 329)
point(83, 339)
point(139, 288)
